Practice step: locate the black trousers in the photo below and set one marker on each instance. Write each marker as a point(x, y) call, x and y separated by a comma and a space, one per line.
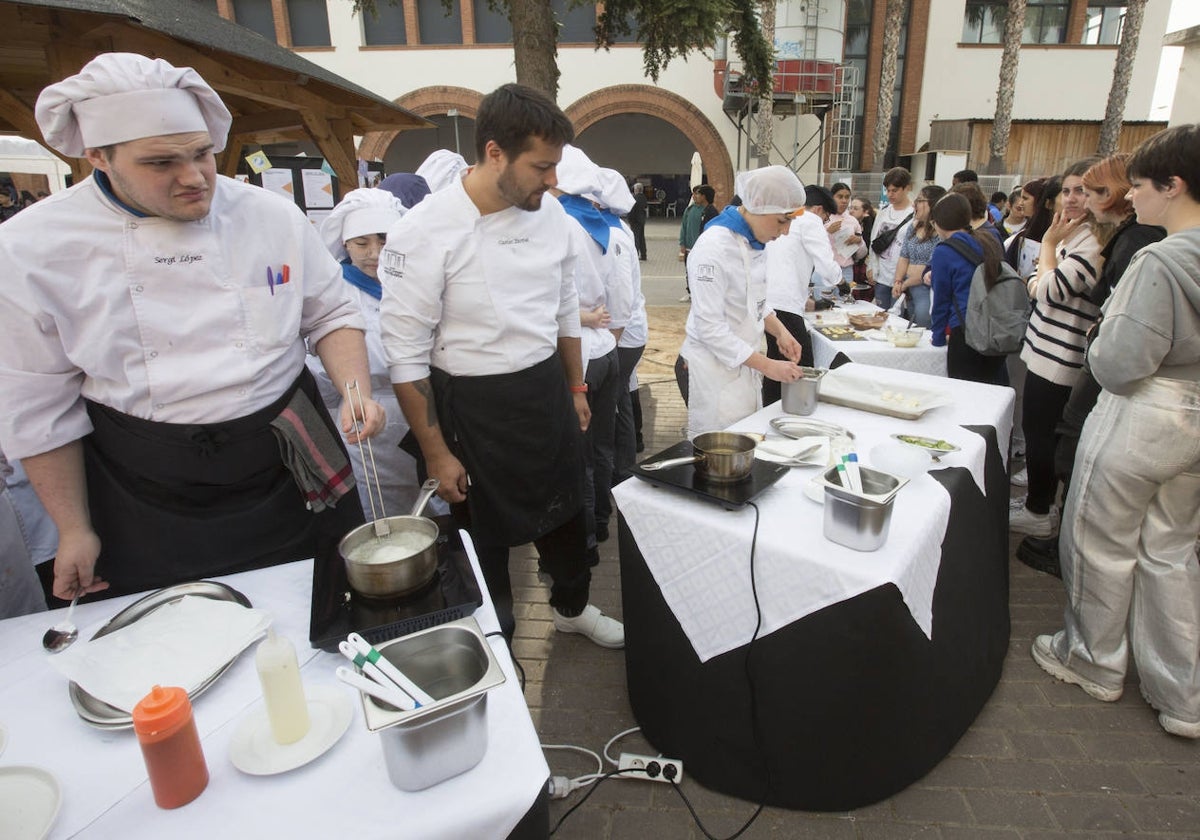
point(772, 390)
point(627, 415)
point(561, 556)
point(639, 236)
point(964, 362)
point(1041, 409)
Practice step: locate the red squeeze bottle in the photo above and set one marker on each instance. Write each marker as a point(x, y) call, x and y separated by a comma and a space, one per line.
point(170, 745)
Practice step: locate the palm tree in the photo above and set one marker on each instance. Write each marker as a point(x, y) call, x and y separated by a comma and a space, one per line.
point(1131, 28)
point(1014, 27)
point(764, 122)
point(893, 20)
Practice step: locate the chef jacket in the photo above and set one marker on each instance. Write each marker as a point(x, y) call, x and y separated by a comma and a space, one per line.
point(597, 286)
point(166, 321)
point(801, 255)
point(476, 295)
point(627, 270)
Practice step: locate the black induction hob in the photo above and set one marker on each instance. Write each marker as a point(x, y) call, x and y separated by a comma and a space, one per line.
point(685, 478)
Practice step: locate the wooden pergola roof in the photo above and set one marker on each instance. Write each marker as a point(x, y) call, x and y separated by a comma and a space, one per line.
point(273, 94)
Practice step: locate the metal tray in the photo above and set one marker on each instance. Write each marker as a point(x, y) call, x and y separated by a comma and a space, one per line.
point(796, 427)
point(906, 402)
point(101, 715)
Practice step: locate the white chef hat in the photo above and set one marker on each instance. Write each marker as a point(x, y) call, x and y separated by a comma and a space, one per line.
point(577, 175)
point(118, 97)
point(614, 192)
point(770, 189)
point(360, 212)
point(442, 168)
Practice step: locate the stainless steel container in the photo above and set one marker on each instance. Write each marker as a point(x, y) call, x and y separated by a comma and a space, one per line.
point(454, 664)
point(800, 397)
point(860, 520)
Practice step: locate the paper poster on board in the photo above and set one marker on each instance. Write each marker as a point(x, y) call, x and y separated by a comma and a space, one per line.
point(279, 181)
point(318, 188)
point(317, 217)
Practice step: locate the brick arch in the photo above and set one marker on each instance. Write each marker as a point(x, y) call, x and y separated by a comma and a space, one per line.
point(424, 102)
point(669, 107)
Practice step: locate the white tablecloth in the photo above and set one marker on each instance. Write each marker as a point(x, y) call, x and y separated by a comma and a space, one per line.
point(105, 793)
point(924, 358)
point(699, 553)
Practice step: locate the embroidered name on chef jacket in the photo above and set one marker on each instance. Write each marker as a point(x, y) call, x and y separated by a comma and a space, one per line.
point(516, 240)
point(179, 259)
point(706, 273)
point(393, 264)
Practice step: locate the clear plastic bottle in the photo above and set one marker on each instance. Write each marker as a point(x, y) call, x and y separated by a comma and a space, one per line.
point(283, 692)
point(170, 745)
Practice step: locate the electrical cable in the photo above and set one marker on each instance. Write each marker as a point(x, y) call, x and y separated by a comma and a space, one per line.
point(588, 795)
point(616, 738)
point(516, 662)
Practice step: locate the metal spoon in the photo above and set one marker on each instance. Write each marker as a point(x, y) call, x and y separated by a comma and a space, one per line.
point(62, 635)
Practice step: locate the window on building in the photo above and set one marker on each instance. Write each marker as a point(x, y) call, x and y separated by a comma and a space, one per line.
point(256, 15)
point(309, 21)
point(1045, 21)
point(491, 27)
point(1104, 22)
point(576, 25)
point(437, 25)
point(385, 28)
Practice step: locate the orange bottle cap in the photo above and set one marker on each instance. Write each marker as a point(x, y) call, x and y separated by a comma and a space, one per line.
point(161, 710)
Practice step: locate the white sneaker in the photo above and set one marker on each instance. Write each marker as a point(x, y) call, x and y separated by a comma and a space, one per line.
point(1175, 726)
point(604, 631)
point(1044, 656)
point(1020, 478)
point(687, 296)
point(1025, 521)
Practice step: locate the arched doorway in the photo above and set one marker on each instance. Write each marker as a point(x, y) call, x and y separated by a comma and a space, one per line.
point(451, 109)
point(631, 106)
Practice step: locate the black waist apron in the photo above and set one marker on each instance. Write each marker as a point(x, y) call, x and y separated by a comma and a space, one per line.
point(518, 436)
point(174, 502)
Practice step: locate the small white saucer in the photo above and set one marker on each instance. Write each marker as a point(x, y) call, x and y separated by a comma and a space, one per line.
point(254, 750)
point(814, 489)
point(29, 802)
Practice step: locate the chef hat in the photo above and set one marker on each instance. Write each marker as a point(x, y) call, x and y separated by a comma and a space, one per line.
point(360, 212)
point(410, 189)
point(771, 189)
point(118, 97)
point(441, 169)
point(614, 192)
point(577, 175)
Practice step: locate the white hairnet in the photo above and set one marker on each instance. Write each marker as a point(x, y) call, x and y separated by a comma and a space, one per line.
point(360, 213)
point(771, 189)
point(119, 97)
point(441, 169)
point(577, 175)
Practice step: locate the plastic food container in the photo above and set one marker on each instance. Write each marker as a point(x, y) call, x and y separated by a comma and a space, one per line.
point(860, 520)
point(455, 665)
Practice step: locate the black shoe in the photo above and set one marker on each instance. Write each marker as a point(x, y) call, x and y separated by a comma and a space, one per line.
point(641, 444)
point(593, 557)
point(601, 533)
point(1040, 554)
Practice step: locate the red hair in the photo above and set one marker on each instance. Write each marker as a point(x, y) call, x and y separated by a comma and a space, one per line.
point(1110, 174)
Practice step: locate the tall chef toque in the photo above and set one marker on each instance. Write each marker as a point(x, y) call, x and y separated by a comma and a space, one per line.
point(119, 97)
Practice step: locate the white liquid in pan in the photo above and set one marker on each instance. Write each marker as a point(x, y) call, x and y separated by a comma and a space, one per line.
point(389, 549)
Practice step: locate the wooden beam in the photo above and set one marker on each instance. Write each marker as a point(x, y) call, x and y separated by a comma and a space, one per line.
point(22, 118)
point(275, 120)
point(231, 155)
point(333, 149)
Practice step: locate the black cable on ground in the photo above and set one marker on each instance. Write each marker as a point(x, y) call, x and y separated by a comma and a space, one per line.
point(588, 795)
point(516, 662)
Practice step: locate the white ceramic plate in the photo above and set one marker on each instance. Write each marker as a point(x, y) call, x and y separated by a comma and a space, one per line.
point(815, 490)
point(29, 802)
point(254, 750)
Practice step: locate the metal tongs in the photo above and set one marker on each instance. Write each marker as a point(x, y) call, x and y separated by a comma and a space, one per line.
point(370, 471)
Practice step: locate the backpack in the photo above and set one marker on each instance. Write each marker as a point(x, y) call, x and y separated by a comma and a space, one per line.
point(995, 321)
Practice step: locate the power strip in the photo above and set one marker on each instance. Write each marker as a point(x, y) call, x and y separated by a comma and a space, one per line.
point(651, 767)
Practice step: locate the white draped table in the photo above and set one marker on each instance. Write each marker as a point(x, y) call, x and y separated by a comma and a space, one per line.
point(924, 358)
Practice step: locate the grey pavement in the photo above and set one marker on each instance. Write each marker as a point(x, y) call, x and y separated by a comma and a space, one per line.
point(1043, 760)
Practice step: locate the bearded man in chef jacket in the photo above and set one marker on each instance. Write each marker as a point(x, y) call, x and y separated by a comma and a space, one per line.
point(153, 329)
point(480, 325)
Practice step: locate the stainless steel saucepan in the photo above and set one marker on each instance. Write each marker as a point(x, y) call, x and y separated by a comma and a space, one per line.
point(722, 457)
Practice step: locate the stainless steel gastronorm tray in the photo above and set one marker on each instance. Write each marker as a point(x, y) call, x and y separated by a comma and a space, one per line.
point(101, 715)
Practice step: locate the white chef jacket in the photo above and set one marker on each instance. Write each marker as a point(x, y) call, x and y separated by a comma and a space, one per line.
point(475, 295)
point(724, 327)
point(802, 255)
point(166, 321)
point(594, 280)
point(628, 270)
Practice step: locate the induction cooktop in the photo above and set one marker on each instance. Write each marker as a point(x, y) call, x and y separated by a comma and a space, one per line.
point(686, 479)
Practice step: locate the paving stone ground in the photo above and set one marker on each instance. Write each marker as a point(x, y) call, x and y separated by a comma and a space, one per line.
point(1043, 760)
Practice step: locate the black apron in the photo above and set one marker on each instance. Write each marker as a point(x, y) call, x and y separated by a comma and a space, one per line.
point(517, 435)
point(175, 502)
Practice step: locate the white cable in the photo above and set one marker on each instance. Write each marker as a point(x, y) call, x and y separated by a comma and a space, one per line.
point(616, 738)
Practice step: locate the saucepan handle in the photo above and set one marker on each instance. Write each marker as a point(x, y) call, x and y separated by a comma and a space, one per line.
point(672, 462)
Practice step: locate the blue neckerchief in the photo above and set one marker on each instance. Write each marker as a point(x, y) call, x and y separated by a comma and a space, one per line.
point(613, 219)
point(584, 212)
point(106, 188)
point(355, 277)
point(732, 219)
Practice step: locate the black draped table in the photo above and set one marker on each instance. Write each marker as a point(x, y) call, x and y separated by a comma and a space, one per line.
point(867, 667)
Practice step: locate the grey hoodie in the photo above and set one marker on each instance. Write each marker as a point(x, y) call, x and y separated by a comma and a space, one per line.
point(1151, 323)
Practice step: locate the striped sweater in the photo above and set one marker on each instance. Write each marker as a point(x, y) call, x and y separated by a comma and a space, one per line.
point(1055, 341)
